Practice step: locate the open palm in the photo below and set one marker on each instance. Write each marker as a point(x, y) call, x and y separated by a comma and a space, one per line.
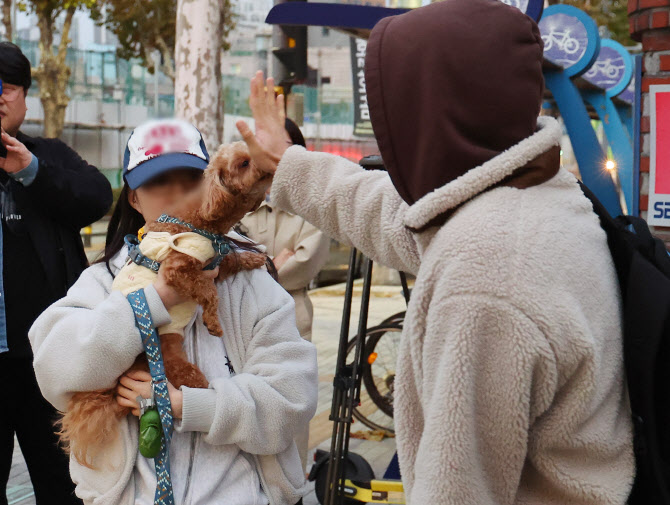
point(268, 144)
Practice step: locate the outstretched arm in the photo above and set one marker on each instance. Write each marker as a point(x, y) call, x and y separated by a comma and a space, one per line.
point(357, 207)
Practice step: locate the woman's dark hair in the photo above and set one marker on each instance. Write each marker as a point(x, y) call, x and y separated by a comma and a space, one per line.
point(294, 132)
point(126, 220)
point(15, 68)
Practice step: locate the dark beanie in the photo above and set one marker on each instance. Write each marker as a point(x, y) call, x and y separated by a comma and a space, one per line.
point(14, 66)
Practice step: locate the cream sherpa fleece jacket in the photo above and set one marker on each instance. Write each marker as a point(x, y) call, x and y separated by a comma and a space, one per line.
point(510, 383)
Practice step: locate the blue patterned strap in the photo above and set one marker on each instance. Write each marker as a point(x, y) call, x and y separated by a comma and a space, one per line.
point(152, 348)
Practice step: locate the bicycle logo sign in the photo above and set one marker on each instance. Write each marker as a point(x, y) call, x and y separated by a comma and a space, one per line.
point(608, 69)
point(565, 39)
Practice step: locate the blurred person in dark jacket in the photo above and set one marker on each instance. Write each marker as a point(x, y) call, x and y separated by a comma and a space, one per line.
point(47, 194)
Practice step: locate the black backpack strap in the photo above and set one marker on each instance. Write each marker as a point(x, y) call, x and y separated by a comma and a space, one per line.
point(606, 219)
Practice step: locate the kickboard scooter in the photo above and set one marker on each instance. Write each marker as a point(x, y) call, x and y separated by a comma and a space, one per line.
point(341, 477)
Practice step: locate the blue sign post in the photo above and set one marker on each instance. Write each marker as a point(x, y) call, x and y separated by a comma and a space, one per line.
point(572, 44)
point(611, 73)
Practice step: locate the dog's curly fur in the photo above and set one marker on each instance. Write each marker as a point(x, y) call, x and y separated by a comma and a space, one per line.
point(232, 186)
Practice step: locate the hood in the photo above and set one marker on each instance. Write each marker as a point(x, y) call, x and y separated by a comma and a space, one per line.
point(450, 86)
point(532, 161)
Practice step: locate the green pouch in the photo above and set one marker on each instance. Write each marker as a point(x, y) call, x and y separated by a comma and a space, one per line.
point(151, 433)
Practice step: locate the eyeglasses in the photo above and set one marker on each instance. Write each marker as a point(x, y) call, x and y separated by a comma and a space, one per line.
point(10, 94)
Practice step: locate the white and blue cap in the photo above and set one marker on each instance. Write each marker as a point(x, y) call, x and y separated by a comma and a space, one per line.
point(160, 146)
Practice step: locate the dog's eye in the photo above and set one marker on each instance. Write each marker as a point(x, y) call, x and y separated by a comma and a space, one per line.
point(245, 163)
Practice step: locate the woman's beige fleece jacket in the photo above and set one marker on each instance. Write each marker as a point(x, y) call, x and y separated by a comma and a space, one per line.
point(510, 383)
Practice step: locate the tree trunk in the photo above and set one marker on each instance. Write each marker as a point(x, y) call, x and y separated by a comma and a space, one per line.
point(52, 73)
point(198, 67)
point(7, 18)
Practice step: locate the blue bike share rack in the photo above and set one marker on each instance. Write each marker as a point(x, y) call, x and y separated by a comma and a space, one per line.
point(587, 78)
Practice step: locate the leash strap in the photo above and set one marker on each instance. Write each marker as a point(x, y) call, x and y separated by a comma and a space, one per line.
point(152, 348)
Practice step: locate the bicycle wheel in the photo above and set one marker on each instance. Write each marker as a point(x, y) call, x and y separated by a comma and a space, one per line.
point(396, 319)
point(376, 407)
point(381, 352)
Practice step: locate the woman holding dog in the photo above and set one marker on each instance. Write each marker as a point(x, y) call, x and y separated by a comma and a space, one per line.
point(233, 442)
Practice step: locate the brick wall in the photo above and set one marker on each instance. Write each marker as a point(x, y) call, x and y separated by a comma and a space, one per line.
point(650, 24)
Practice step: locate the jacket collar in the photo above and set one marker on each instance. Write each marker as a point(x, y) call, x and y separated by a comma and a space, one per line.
point(486, 176)
point(117, 262)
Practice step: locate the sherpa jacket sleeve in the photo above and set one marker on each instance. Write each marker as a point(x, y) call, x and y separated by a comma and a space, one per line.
point(69, 189)
point(475, 382)
point(357, 207)
point(86, 340)
point(274, 396)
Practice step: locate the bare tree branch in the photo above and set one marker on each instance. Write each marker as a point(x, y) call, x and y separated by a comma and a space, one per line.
point(65, 35)
point(168, 64)
point(7, 18)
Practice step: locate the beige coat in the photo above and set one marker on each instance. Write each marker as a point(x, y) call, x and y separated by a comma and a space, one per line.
point(510, 383)
point(278, 230)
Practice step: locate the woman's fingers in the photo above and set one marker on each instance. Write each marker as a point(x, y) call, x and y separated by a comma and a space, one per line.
point(257, 96)
point(270, 99)
point(134, 388)
point(264, 160)
point(125, 402)
point(138, 375)
point(249, 137)
point(211, 274)
point(281, 108)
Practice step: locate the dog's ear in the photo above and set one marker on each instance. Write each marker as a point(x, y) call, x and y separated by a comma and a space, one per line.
point(216, 201)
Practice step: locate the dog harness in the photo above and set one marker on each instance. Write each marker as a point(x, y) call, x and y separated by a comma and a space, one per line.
point(220, 244)
point(159, 382)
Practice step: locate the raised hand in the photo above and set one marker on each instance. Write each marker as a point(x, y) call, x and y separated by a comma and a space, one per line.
point(271, 140)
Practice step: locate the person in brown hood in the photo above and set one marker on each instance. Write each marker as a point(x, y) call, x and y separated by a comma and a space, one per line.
point(510, 384)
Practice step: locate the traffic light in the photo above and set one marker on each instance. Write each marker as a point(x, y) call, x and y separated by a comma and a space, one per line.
point(291, 52)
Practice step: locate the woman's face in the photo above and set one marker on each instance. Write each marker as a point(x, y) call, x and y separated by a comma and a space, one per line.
point(153, 198)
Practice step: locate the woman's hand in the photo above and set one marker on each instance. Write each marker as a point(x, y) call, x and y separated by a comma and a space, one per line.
point(138, 383)
point(169, 295)
point(281, 258)
point(271, 140)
